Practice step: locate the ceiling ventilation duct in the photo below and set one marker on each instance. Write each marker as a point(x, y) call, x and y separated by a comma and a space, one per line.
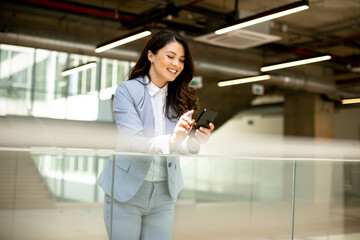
point(244, 38)
point(238, 39)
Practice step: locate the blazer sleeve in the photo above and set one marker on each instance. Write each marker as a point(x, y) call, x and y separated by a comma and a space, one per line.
point(131, 137)
point(186, 148)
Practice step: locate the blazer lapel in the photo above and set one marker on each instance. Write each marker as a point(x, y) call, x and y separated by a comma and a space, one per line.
point(149, 124)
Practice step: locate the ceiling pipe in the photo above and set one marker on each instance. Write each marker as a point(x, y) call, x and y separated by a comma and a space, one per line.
point(154, 16)
point(65, 46)
point(295, 81)
point(158, 14)
point(206, 12)
point(81, 8)
point(216, 69)
point(290, 80)
point(299, 81)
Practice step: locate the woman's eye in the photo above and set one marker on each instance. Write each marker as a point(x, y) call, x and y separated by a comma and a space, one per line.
point(182, 60)
point(170, 57)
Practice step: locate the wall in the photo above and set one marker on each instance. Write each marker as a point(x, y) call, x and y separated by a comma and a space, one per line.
point(270, 120)
point(267, 121)
point(347, 123)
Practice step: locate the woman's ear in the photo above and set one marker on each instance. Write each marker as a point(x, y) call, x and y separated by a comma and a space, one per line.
point(150, 56)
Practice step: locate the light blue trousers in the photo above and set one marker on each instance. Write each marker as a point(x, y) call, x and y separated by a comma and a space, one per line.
point(149, 215)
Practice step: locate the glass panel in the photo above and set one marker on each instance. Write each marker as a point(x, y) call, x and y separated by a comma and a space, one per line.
point(226, 198)
point(61, 83)
point(327, 202)
point(122, 70)
point(81, 82)
point(4, 56)
point(31, 84)
point(16, 79)
point(236, 199)
point(83, 101)
point(109, 73)
point(47, 102)
point(66, 175)
point(45, 196)
point(44, 74)
point(223, 197)
point(113, 72)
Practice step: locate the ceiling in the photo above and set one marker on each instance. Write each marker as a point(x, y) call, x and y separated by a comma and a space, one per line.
point(327, 27)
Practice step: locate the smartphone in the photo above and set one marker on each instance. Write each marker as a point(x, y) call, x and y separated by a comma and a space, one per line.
point(207, 116)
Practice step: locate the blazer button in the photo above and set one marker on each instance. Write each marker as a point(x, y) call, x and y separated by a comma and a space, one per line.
point(170, 164)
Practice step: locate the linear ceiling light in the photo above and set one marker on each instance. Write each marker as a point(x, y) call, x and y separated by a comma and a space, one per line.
point(266, 16)
point(78, 68)
point(122, 41)
point(355, 69)
point(243, 80)
point(294, 63)
point(350, 101)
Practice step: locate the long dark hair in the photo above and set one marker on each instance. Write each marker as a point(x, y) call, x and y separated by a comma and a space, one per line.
point(180, 96)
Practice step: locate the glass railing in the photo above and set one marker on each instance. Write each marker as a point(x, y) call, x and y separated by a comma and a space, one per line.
point(52, 194)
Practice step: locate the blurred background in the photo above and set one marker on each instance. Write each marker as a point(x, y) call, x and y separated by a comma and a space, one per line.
point(283, 162)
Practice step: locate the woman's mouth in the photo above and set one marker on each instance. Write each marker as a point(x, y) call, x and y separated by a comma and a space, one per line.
point(172, 71)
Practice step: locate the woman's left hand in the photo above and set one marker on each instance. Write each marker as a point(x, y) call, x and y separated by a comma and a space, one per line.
point(202, 135)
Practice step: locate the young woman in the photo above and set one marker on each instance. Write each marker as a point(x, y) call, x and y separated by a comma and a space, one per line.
point(153, 112)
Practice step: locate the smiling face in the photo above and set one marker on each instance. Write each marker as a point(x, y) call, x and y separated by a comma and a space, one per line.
point(166, 64)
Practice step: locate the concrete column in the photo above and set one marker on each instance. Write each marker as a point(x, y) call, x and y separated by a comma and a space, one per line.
point(307, 114)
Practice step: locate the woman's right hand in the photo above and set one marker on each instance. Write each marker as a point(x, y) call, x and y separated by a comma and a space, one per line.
point(182, 129)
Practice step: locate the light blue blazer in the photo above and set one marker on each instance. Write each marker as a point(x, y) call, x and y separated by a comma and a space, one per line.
point(133, 115)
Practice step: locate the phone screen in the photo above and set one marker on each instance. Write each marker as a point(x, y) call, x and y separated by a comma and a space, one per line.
point(207, 116)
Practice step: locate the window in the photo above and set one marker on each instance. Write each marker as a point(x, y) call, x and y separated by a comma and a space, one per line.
point(31, 84)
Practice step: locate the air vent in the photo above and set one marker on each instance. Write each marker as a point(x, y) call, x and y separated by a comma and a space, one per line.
point(238, 39)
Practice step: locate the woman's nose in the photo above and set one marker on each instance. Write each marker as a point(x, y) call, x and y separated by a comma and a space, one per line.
point(176, 62)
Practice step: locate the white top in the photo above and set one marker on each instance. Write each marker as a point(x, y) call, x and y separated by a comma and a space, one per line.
point(158, 171)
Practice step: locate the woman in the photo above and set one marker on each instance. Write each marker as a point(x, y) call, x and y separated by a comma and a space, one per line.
point(153, 112)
